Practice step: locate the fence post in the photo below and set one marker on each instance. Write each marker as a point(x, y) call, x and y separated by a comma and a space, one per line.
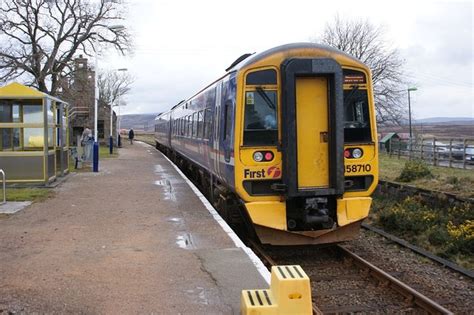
point(390, 147)
point(410, 148)
point(434, 151)
point(421, 149)
point(464, 145)
point(450, 152)
point(399, 148)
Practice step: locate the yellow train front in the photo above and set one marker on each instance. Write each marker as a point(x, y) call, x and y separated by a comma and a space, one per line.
point(301, 137)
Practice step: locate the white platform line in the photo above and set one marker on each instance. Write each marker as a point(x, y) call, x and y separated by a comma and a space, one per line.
point(237, 241)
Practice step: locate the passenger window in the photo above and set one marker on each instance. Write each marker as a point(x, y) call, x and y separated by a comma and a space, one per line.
point(195, 124)
point(228, 120)
point(200, 124)
point(207, 123)
point(260, 118)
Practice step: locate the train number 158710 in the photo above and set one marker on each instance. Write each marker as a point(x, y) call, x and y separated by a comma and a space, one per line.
point(357, 168)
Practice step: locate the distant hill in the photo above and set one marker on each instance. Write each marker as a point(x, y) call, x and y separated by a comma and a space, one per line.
point(446, 120)
point(138, 121)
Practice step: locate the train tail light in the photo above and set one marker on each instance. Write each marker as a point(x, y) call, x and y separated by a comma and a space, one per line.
point(353, 153)
point(263, 156)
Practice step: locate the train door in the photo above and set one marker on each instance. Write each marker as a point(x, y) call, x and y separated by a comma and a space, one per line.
point(312, 127)
point(312, 132)
point(216, 130)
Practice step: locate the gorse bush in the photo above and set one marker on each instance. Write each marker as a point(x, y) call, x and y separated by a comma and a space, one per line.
point(444, 229)
point(414, 169)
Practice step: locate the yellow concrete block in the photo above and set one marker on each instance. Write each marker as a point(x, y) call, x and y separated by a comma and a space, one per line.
point(291, 288)
point(257, 302)
point(289, 293)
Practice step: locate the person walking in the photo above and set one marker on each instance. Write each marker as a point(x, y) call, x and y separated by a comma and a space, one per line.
point(131, 135)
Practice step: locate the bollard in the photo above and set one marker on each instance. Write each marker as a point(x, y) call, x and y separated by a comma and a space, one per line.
point(95, 157)
point(119, 142)
point(111, 145)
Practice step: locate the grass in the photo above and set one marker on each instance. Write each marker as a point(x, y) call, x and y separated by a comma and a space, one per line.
point(104, 152)
point(145, 137)
point(28, 194)
point(453, 180)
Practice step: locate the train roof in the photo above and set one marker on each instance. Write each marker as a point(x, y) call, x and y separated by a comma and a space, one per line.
point(248, 59)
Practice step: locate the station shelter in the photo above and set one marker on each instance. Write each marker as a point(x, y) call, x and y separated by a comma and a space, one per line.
point(34, 145)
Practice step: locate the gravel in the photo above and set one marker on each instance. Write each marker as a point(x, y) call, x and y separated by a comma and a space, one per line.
point(449, 288)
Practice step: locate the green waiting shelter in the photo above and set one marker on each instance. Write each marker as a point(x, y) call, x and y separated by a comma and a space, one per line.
point(34, 136)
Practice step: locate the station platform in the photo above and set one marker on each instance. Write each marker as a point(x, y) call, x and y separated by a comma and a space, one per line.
point(136, 237)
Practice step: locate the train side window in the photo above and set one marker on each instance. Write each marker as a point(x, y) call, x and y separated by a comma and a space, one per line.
point(207, 123)
point(195, 124)
point(200, 124)
point(189, 126)
point(228, 120)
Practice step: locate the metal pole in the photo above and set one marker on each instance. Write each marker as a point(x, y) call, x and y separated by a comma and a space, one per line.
point(4, 187)
point(409, 112)
point(95, 161)
point(111, 139)
point(119, 118)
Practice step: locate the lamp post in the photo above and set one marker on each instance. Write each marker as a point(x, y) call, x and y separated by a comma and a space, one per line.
point(95, 152)
point(409, 109)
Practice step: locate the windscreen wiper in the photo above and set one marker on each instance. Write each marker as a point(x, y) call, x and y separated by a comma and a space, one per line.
point(348, 98)
point(265, 97)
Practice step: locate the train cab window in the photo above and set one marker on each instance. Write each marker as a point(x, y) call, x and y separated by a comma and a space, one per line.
point(356, 116)
point(260, 120)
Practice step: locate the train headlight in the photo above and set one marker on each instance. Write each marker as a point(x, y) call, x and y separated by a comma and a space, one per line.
point(357, 153)
point(258, 156)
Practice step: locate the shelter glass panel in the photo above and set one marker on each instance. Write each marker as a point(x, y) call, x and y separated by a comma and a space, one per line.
point(32, 114)
point(5, 113)
point(33, 139)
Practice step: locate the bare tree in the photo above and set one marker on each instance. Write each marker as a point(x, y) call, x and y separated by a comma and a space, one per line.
point(366, 42)
point(113, 85)
point(39, 38)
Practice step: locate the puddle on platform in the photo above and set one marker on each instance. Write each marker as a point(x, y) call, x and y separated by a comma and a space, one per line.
point(159, 169)
point(168, 189)
point(184, 241)
point(175, 220)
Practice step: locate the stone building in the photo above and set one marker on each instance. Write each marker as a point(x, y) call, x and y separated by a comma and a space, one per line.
point(79, 92)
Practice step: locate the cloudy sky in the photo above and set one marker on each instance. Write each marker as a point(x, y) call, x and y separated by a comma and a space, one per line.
point(181, 46)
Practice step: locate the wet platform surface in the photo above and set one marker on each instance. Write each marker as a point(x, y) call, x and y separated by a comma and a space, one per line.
point(133, 238)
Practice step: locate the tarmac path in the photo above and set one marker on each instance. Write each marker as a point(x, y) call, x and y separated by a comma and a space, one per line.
point(132, 238)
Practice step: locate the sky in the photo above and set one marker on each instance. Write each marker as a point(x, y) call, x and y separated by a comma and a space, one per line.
point(182, 46)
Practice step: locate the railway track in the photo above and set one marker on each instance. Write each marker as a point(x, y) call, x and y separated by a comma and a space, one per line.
point(343, 282)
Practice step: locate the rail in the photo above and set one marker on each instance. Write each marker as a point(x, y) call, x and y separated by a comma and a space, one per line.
point(410, 294)
point(4, 187)
point(407, 292)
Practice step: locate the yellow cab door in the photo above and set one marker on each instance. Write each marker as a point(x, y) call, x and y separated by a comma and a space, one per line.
point(312, 132)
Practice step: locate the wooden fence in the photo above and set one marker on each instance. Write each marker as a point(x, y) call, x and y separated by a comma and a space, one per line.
point(447, 152)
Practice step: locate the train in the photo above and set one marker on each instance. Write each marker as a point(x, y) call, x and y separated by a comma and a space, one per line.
point(284, 143)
